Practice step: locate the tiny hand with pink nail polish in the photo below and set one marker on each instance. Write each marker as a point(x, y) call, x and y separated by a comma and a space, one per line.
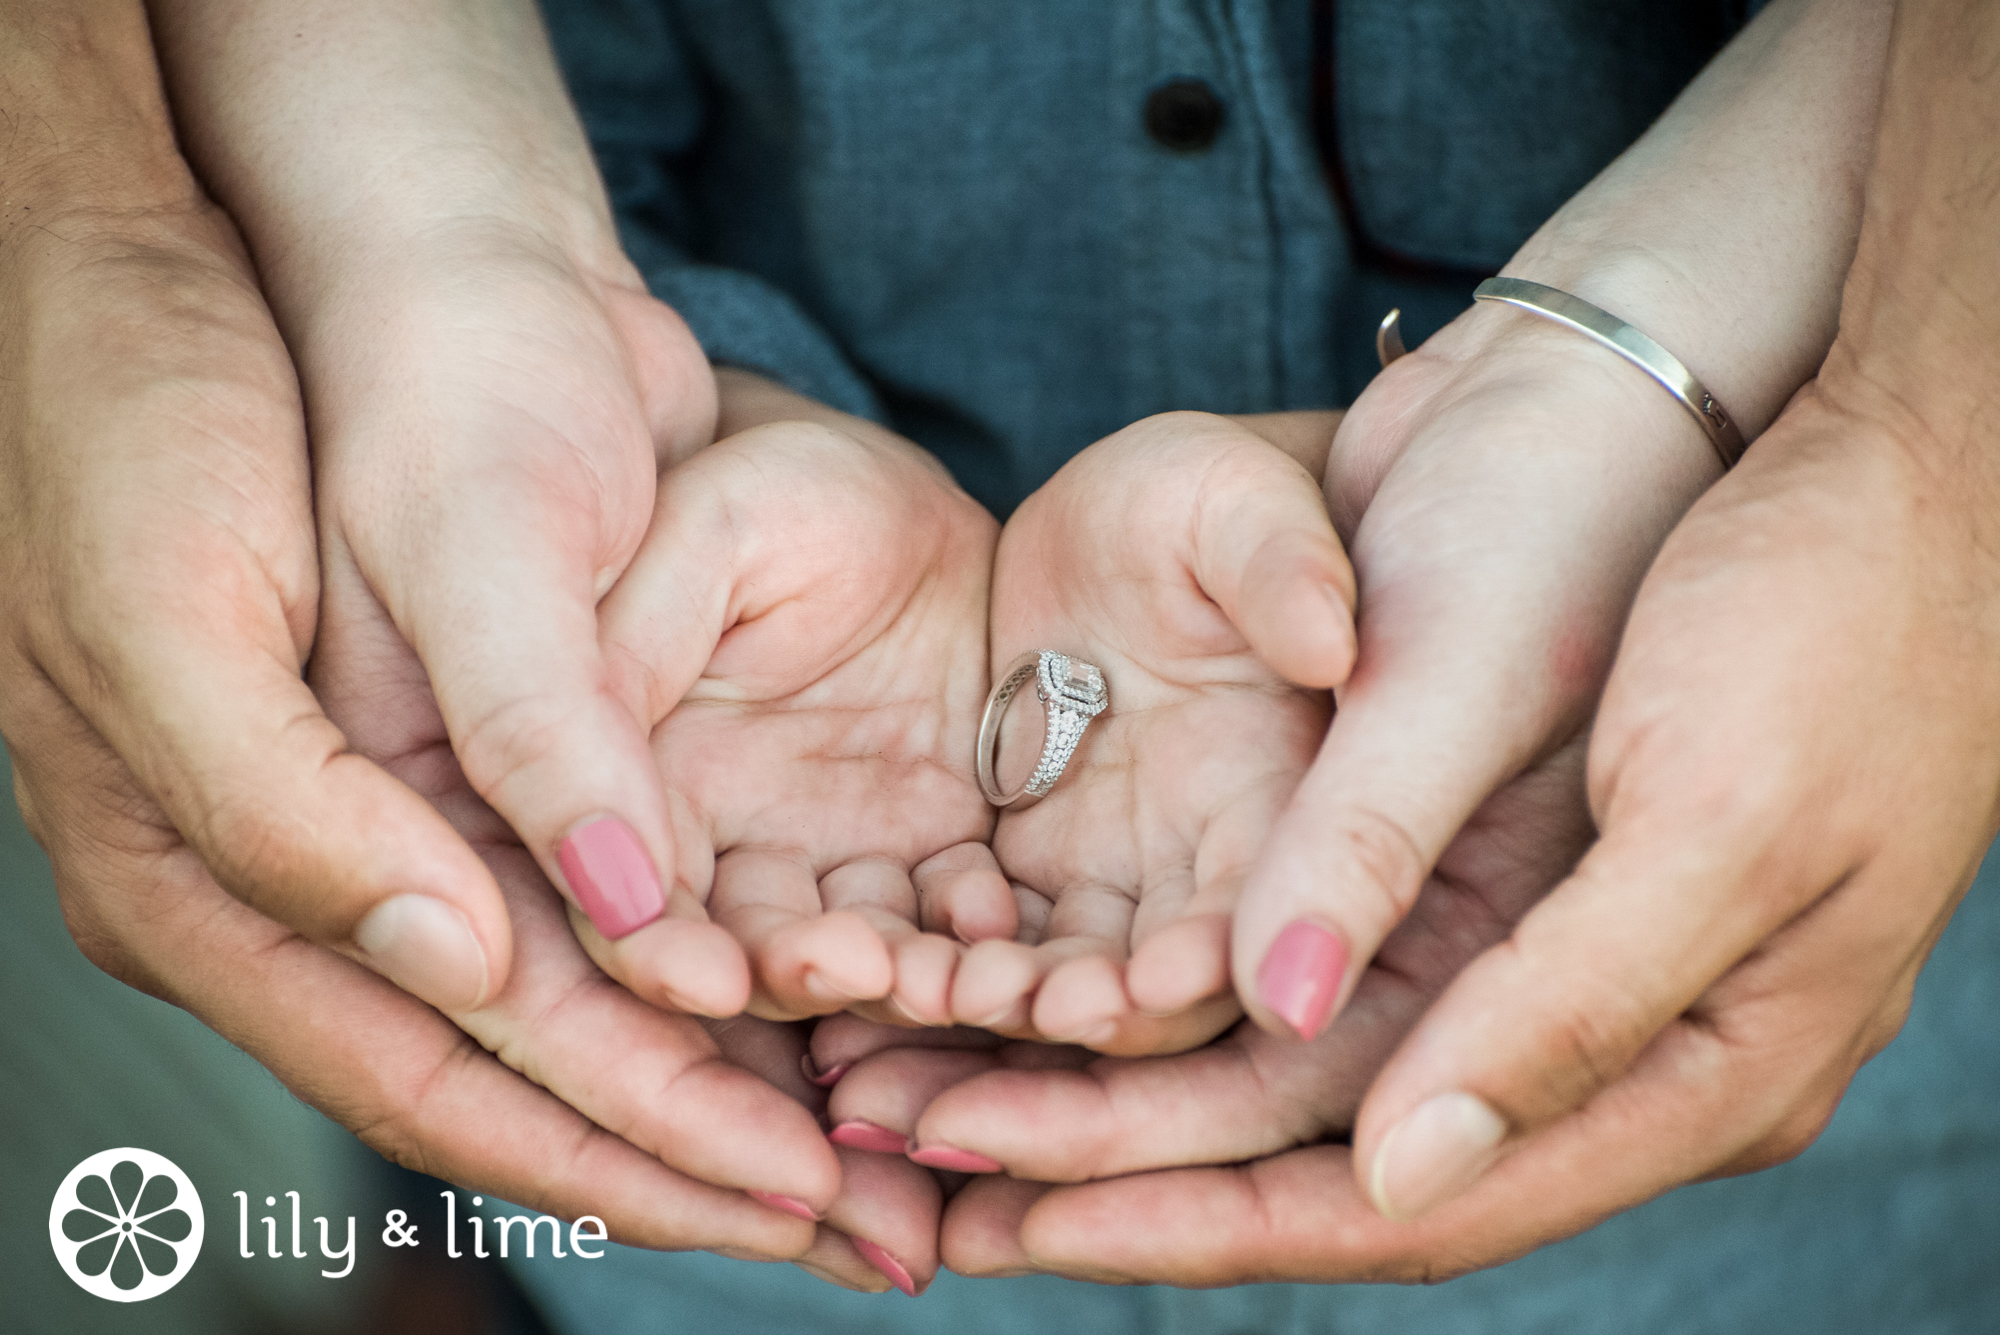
point(1191, 560)
point(803, 631)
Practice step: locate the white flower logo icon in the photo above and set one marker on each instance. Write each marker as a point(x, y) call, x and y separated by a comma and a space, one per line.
point(126, 1225)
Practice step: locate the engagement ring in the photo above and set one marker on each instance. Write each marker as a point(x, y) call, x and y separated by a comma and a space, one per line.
point(1072, 694)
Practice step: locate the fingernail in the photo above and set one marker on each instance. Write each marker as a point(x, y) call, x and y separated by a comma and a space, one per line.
point(824, 1079)
point(427, 948)
point(956, 1160)
point(1300, 976)
point(1435, 1153)
point(611, 876)
point(887, 1264)
point(789, 1204)
point(820, 989)
point(868, 1136)
point(1099, 1035)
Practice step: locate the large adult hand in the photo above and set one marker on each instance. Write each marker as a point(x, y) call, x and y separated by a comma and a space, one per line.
point(804, 631)
point(1192, 561)
point(1798, 755)
point(157, 575)
point(160, 593)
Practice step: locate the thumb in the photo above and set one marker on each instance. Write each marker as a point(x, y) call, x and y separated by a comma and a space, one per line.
point(1536, 1029)
point(1266, 554)
point(505, 623)
point(230, 741)
point(1449, 700)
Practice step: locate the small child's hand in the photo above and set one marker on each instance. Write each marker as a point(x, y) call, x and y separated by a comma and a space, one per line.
point(804, 632)
point(1192, 561)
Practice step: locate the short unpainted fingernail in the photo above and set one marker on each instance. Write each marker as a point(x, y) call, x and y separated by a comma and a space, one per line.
point(859, 1135)
point(791, 1205)
point(820, 988)
point(953, 1159)
point(1300, 976)
point(1439, 1149)
point(427, 948)
point(887, 1264)
point(612, 876)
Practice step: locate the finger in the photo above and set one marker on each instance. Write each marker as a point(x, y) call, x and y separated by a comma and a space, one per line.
point(1185, 962)
point(1083, 1000)
point(839, 1041)
point(1423, 736)
point(414, 1086)
point(1182, 958)
point(877, 1105)
point(879, 892)
point(1251, 1094)
point(889, 1208)
point(658, 1080)
point(289, 821)
point(805, 961)
point(504, 620)
point(679, 961)
point(1266, 553)
point(1699, 1097)
point(1229, 1101)
point(981, 1236)
point(1291, 1217)
point(1600, 975)
point(962, 892)
point(997, 981)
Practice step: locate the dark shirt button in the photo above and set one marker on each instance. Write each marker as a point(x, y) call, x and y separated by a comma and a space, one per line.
point(1184, 115)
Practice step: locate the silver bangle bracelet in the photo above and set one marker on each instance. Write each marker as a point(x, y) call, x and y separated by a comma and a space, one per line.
point(1602, 327)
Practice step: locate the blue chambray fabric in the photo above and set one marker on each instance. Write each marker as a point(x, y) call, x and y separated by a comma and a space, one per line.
point(947, 215)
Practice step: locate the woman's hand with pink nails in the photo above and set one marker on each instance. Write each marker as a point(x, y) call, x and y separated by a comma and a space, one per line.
point(803, 631)
point(1192, 561)
point(1505, 486)
point(491, 392)
point(881, 1231)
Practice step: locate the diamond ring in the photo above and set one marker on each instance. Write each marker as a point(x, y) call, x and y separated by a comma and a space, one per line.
point(1072, 694)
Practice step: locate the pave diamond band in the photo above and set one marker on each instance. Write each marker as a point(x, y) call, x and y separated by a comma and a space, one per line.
point(1072, 693)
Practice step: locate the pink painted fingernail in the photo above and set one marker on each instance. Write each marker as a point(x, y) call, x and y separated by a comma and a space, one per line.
point(1434, 1154)
point(789, 1204)
point(1300, 976)
point(887, 1264)
point(611, 876)
point(826, 1079)
point(955, 1160)
point(859, 1135)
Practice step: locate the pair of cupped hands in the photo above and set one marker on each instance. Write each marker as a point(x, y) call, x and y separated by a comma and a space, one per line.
point(279, 716)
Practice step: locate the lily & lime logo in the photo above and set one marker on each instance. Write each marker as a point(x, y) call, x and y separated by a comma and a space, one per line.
point(126, 1225)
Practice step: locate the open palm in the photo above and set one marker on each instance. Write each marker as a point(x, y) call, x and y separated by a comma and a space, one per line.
point(803, 629)
point(1193, 562)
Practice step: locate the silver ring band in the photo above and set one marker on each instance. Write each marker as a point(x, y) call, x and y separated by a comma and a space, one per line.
point(1072, 693)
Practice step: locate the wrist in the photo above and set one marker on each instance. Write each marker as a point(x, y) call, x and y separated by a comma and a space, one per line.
point(91, 132)
point(385, 137)
point(1537, 401)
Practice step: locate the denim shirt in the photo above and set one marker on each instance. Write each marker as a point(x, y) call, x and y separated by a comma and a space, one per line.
point(950, 215)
